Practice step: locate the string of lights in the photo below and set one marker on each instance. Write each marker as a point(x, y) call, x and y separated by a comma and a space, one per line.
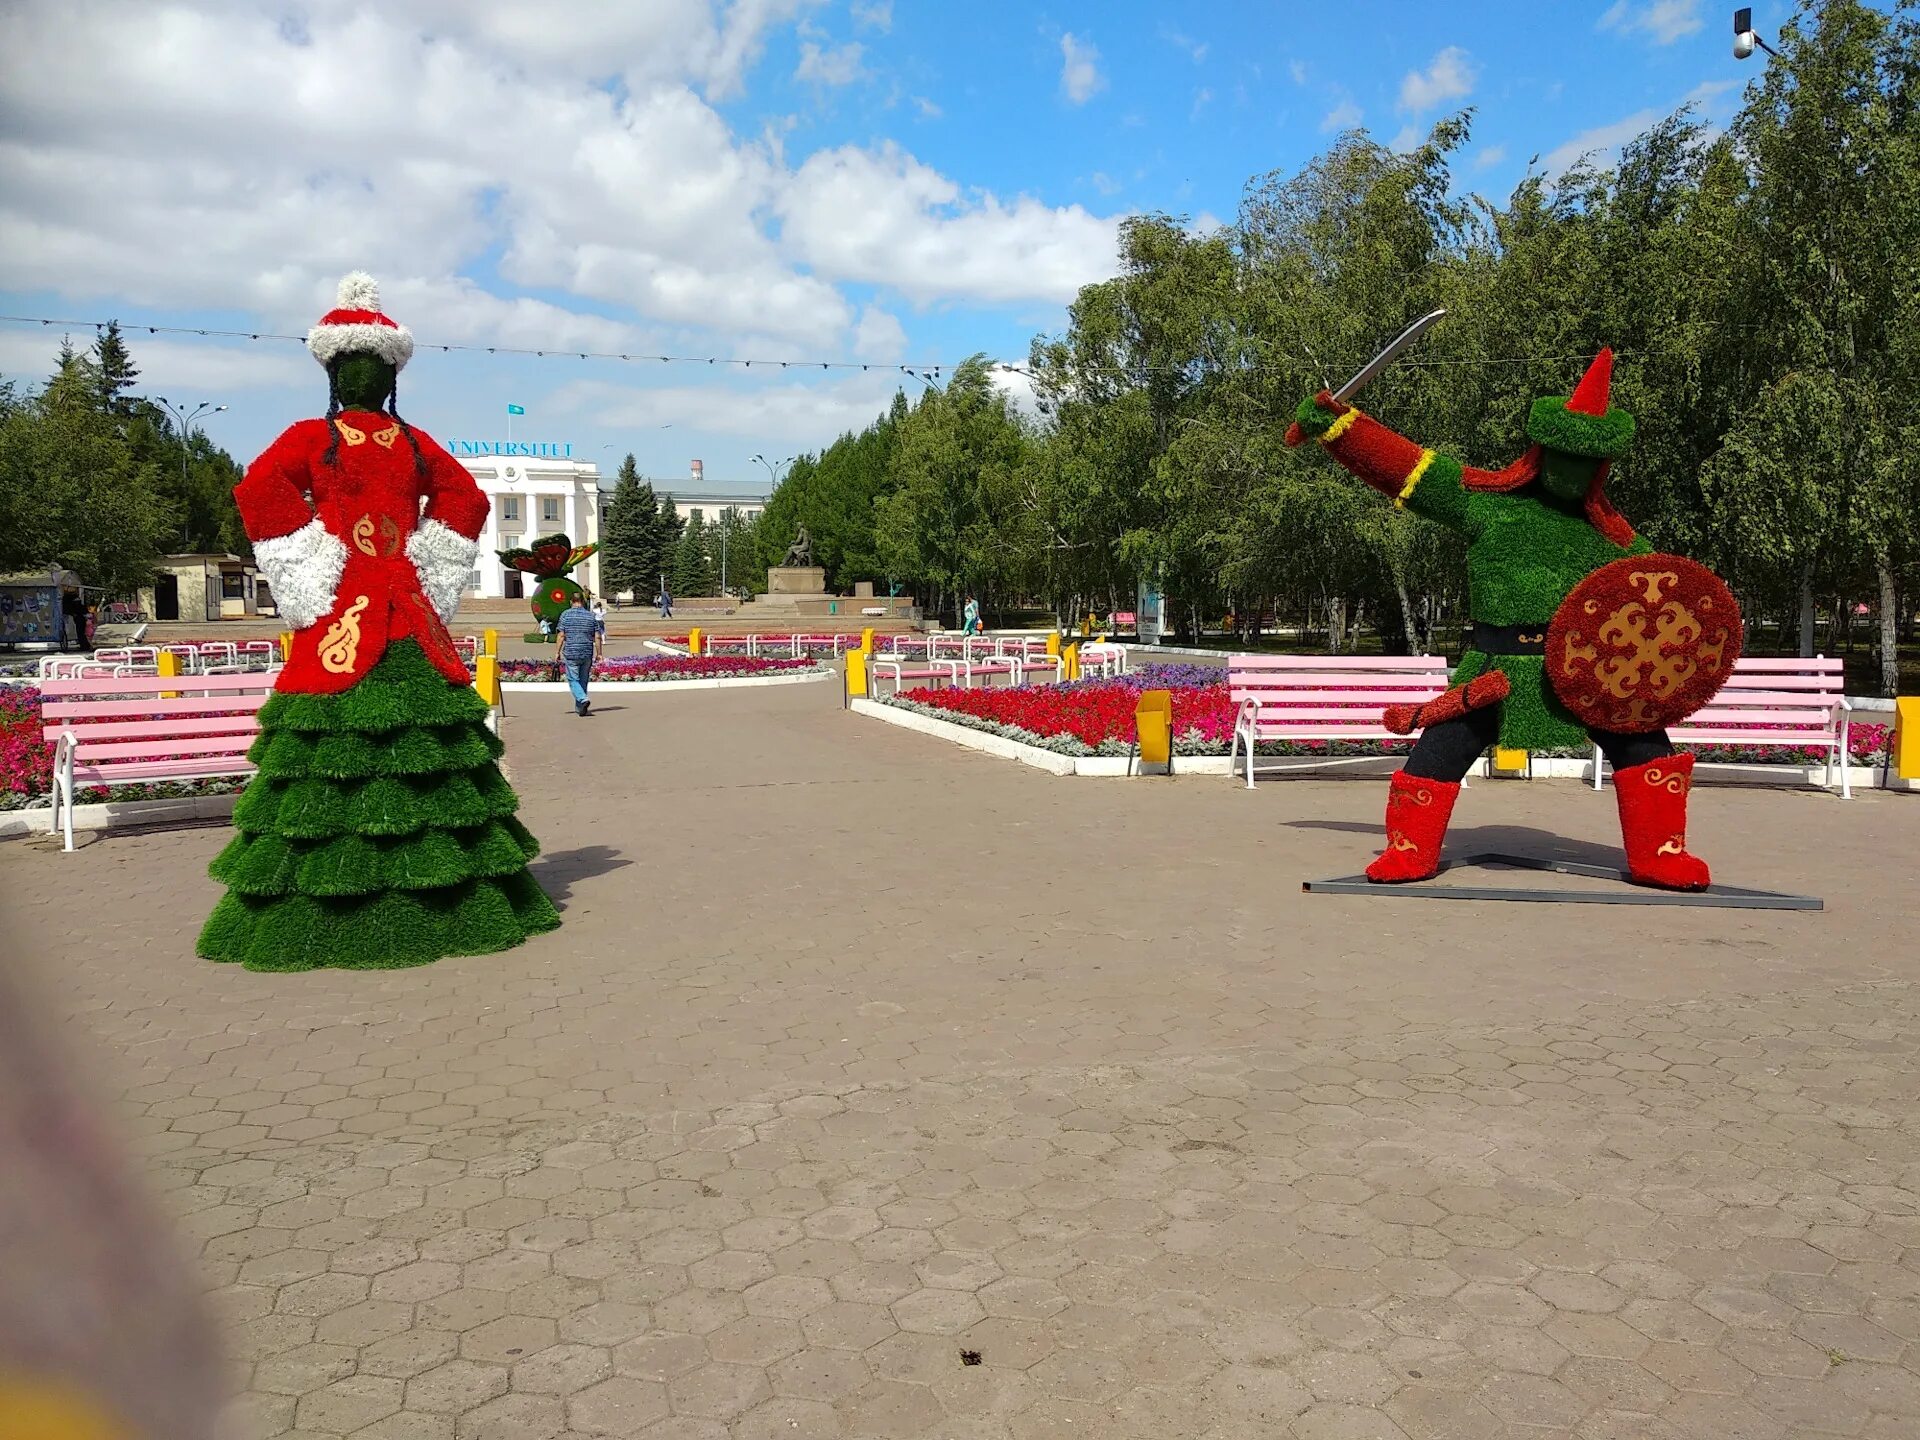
point(926, 372)
point(551, 352)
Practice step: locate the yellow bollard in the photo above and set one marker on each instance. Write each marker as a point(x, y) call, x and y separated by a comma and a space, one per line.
point(286, 646)
point(1053, 643)
point(693, 642)
point(486, 678)
point(167, 663)
point(1070, 661)
point(489, 642)
point(856, 674)
point(1509, 762)
point(866, 640)
point(1153, 724)
point(1906, 737)
point(1086, 626)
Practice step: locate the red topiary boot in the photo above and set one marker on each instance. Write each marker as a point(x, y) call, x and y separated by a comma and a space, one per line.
point(1653, 824)
point(1417, 815)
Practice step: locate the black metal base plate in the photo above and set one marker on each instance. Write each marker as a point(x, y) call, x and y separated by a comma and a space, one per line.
point(1724, 897)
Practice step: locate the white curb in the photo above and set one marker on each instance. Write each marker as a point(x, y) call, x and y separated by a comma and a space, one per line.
point(1054, 763)
point(117, 814)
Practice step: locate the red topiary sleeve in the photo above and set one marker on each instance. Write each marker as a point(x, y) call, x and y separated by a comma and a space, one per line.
point(274, 495)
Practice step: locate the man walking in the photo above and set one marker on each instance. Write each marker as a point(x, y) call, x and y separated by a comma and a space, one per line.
point(577, 646)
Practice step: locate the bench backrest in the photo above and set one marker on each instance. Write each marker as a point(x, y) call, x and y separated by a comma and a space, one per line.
point(1791, 698)
point(1330, 695)
point(145, 717)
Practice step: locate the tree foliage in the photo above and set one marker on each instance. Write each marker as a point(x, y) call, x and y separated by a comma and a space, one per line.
point(97, 479)
point(1760, 288)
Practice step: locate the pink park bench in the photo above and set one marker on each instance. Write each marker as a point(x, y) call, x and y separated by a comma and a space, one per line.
point(149, 729)
point(1787, 704)
point(1323, 697)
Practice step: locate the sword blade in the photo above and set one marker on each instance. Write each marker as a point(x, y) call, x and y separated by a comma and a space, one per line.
point(1373, 367)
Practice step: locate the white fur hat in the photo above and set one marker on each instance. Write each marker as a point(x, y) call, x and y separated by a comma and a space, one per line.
point(355, 325)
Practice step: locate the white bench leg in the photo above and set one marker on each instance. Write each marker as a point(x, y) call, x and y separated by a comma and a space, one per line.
point(1597, 761)
point(63, 784)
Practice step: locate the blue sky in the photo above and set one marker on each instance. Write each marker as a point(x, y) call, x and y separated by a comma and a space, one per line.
point(811, 180)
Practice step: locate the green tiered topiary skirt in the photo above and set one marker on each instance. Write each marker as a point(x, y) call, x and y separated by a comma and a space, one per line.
point(379, 832)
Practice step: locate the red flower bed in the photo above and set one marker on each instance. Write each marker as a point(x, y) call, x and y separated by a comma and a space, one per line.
point(1091, 713)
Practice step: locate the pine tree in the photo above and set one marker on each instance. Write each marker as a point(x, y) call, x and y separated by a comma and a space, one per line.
point(667, 529)
point(115, 370)
point(692, 564)
point(629, 542)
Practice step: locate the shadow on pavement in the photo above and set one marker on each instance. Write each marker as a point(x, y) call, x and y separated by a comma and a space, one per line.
point(558, 870)
point(1503, 839)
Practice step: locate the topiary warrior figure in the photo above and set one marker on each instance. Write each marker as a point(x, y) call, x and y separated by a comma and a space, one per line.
point(379, 831)
point(1535, 531)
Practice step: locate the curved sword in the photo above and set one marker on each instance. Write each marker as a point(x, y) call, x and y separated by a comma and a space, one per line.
point(1373, 367)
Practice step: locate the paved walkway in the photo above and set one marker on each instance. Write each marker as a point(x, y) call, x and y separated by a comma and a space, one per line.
point(860, 1056)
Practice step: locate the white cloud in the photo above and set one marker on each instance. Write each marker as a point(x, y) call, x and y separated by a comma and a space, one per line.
point(206, 369)
point(873, 14)
point(881, 216)
point(781, 408)
point(831, 65)
point(1409, 138)
point(1196, 49)
point(1104, 183)
point(435, 140)
point(1451, 76)
point(1202, 98)
point(879, 336)
point(1080, 77)
point(1664, 20)
point(928, 110)
point(1600, 142)
point(1344, 116)
point(1298, 70)
point(1489, 157)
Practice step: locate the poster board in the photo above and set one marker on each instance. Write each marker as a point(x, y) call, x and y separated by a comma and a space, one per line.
point(30, 612)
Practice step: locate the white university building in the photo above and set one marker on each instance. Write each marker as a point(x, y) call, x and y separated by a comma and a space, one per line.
point(536, 488)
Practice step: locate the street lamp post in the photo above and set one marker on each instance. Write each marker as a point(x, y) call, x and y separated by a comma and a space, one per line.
point(1745, 38)
point(182, 418)
point(774, 476)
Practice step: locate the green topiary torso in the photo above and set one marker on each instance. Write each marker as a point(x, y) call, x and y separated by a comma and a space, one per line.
point(379, 832)
point(1524, 555)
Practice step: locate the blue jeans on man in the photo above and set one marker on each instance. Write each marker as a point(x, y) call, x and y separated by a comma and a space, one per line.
point(577, 672)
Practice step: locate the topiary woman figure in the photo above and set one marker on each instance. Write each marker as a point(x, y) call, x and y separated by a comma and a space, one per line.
point(379, 832)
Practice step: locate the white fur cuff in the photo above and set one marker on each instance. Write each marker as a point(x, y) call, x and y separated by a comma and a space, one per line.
point(444, 557)
point(303, 571)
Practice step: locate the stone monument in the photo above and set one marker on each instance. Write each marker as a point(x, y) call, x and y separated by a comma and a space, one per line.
point(797, 577)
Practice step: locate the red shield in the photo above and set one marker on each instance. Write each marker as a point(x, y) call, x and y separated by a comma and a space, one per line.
point(1643, 642)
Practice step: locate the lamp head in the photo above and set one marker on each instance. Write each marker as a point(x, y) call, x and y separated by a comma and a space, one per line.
point(1743, 44)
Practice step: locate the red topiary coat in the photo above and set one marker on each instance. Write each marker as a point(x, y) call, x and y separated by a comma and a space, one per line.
point(364, 551)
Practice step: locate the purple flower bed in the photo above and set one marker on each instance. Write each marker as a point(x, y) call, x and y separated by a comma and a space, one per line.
point(639, 669)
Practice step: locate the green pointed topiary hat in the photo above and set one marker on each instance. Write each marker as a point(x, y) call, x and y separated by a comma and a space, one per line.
point(1580, 423)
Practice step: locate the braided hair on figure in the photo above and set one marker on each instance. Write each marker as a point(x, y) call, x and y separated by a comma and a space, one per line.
point(390, 406)
point(332, 456)
point(393, 409)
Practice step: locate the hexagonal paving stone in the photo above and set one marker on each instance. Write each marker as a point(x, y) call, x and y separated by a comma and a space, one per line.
point(937, 1312)
point(720, 1392)
point(620, 1406)
point(562, 1369)
point(510, 1338)
point(659, 1356)
point(456, 1386)
point(820, 1374)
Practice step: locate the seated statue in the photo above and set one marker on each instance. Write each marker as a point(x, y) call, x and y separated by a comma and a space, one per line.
point(801, 551)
